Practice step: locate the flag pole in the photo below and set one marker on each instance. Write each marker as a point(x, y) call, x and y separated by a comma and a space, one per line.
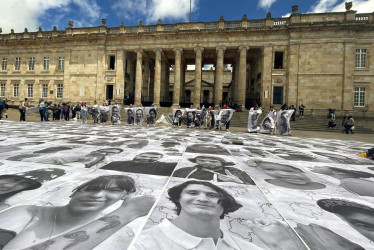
point(190, 10)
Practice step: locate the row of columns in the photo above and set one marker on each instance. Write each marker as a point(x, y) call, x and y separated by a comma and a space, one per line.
point(240, 75)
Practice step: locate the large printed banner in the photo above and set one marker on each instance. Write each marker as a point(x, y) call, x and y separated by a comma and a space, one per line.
point(283, 121)
point(224, 117)
point(81, 186)
point(177, 116)
point(267, 125)
point(151, 114)
point(252, 120)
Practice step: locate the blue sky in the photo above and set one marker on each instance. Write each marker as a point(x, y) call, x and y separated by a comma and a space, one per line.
point(31, 14)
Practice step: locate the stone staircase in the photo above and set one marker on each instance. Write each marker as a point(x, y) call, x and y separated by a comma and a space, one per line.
point(364, 125)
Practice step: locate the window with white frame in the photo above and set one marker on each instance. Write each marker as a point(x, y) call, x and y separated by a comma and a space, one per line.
point(2, 89)
point(30, 90)
point(4, 63)
point(61, 63)
point(46, 63)
point(44, 90)
point(17, 65)
point(15, 89)
point(359, 97)
point(59, 90)
point(360, 58)
point(31, 63)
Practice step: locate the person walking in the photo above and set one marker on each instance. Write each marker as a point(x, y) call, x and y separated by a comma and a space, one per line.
point(84, 110)
point(350, 125)
point(42, 109)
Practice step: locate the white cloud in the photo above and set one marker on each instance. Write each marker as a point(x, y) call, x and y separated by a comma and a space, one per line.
point(20, 14)
point(152, 10)
point(361, 6)
point(266, 4)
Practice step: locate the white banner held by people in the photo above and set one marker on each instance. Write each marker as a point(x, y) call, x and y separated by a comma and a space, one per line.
point(224, 117)
point(151, 114)
point(129, 116)
point(115, 114)
point(252, 120)
point(177, 116)
point(267, 125)
point(283, 121)
point(139, 116)
point(190, 117)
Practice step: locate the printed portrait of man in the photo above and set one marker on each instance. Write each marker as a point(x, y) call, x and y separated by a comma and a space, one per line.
point(139, 116)
point(116, 115)
point(287, 176)
point(144, 163)
point(55, 226)
point(130, 116)
point(213, 168)
point(200, 207)
point(360, 217)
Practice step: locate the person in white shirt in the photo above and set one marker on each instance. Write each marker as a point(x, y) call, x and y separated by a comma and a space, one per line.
point(200, 206)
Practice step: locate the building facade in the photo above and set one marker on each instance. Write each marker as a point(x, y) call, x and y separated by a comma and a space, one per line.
point(320, 60)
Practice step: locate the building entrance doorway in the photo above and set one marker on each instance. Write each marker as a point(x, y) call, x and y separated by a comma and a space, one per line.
point(109, 92)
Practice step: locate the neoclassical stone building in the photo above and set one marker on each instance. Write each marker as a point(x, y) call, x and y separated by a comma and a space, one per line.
point(321, 60)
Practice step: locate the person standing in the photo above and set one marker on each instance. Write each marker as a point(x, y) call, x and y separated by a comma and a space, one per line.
point(42, 109)
point(84, 111)
point(301, 110)
point(350, 125)
point(22, 109)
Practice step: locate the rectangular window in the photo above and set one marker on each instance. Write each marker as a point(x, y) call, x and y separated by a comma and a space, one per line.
point(59, 90)
point(61, 63)
point(15, 89)
point(30, 90)
point(112, 62)
point(359, 97)
point(17, 65)
point(278, 60)
point(31, 63)
point(278, 95)
point(46, 63)
point(4, 63)
point(360, 58)
point(2, 89)
point(44, 90)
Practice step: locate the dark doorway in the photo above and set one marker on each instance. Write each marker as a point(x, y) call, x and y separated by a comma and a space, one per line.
point(278, 95)
point(278, 60)
point(109, 92)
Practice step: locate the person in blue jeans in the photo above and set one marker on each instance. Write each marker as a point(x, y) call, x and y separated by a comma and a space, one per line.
point(42, 109)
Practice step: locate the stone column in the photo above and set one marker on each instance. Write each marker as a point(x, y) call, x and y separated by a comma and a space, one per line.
point(167, 82)
point(218, 85)
point(267, 55)
point(157, 84)
point(139, 77)
point(120, 74)
point(163, 81)
point(146, 75)
point(177, 76)
point(242, 75)
point(293, 79)
point(197, 87)
point(348, 75)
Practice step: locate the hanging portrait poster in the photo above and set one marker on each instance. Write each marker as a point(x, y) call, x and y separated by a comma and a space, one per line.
point(138, 116)
point(129, 116)
point(283, 121)
point(104, 113)
point(177, 116)
point(252, 120)
point(224, 117)
point(115, 114)
point(151, 114)
point(198, 119)
point(190, 117)
point(267, 125)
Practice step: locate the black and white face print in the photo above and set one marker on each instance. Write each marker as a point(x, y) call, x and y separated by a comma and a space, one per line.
point(252, 120)
point(307, 181)
point(151, 114)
